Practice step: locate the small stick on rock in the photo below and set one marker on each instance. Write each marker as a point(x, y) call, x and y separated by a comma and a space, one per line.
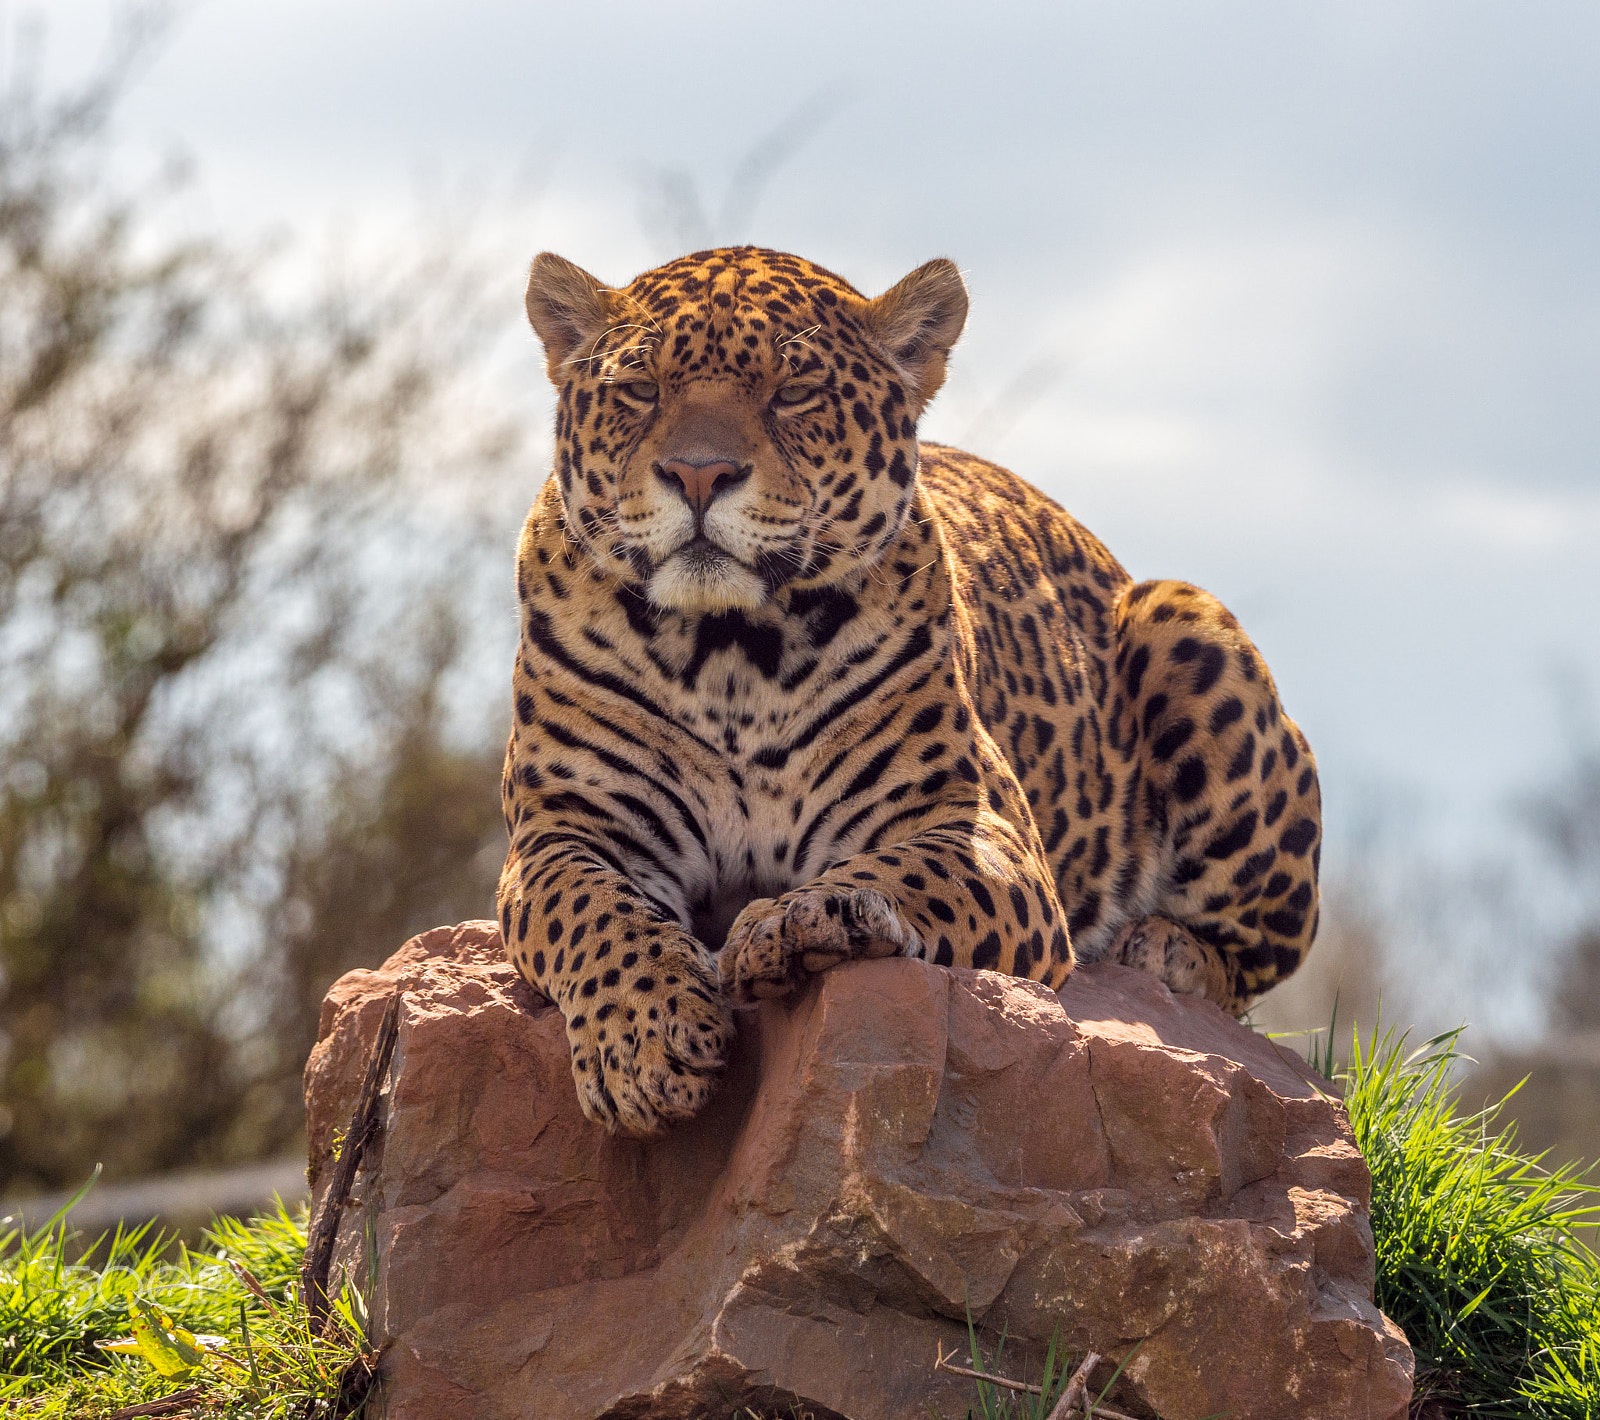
point(1075, 1398)
point(941, 1364)
point(363, 1124)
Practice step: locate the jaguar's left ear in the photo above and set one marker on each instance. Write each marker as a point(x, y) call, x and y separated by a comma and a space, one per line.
point(918, 321)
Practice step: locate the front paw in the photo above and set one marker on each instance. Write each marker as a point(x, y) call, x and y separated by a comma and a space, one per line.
point(774, 945)
point(648, 1048)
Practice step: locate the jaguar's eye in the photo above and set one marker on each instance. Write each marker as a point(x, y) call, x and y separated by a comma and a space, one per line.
point(795, 393)
point(645, 391)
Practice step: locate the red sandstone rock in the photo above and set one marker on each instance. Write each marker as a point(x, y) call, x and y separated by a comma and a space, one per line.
point(895, 1146)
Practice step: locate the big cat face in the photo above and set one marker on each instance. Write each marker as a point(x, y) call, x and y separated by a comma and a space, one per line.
point(739, 420)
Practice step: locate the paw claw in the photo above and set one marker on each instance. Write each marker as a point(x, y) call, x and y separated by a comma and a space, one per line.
point(769, 990)
point(819, 961)
point(774, 945)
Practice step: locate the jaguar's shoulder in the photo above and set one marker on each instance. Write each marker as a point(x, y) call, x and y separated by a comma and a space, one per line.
point(992, 519)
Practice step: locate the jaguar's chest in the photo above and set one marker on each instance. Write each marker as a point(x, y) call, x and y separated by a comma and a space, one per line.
point(762, 748)
point(744, 684)
point(750, 855)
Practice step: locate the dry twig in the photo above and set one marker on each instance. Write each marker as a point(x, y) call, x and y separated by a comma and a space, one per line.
point(1074, 1399)
point(177, 1403)
point(363, 1123)
point(942, 1364)
point(1075, 1396)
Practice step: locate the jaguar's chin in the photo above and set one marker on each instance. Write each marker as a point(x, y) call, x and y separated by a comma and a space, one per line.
point(700, 579)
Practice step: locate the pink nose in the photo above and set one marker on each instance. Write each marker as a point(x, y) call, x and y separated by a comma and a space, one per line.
point(700, 483)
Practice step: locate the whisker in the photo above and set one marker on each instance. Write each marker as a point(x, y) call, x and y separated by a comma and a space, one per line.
point(595, 352)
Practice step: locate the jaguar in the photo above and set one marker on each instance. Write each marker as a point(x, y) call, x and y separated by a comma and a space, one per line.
point(795, 688)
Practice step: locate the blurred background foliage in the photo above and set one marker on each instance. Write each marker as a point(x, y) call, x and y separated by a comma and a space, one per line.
point(233, 538)
point(255, 558)
point(1406, 939)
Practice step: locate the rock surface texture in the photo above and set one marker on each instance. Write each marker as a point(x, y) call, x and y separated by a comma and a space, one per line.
point(896, 1145)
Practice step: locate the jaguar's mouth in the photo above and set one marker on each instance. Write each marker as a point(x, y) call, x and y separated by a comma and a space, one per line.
point(701, 576)
point(700, 551)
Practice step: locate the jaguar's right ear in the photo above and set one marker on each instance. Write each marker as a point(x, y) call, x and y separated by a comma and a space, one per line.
point(569, 310)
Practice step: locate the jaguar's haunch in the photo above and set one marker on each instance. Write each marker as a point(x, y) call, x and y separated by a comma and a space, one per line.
point(793, 688)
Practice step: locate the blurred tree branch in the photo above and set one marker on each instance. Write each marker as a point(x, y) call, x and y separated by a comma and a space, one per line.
point(671, 209)
point(1566, 816)
point(230, 538)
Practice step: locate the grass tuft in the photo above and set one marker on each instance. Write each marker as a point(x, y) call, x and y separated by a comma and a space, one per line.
point(59, 1299)
point(1477, 1255)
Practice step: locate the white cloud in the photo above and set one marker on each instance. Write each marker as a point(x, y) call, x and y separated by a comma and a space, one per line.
point(1523, 522)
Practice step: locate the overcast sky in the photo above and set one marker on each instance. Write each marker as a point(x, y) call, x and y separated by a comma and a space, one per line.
point(1300, 302)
